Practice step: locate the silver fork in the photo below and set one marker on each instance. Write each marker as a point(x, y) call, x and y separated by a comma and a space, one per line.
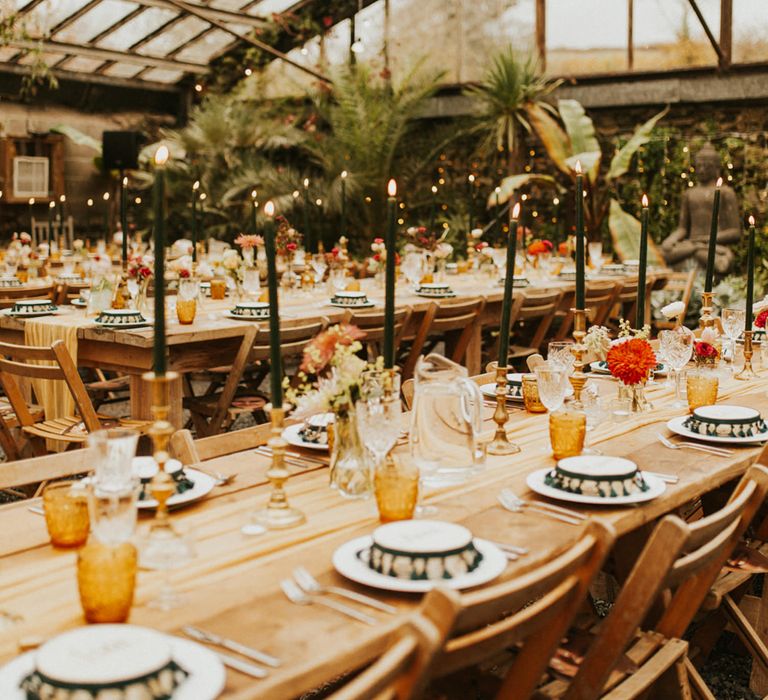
point(516, 505)
point(721, 452)
point(296, 595)
point(218, 477)
point(311, 585)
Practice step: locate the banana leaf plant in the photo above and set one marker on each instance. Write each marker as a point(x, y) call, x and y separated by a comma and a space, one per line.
point(573, 140)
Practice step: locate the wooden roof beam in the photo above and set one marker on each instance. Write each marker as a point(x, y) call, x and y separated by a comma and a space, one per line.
point(207, 13)
point(715, 45)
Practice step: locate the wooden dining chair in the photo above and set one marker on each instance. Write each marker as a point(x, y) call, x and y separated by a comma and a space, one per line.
point(625, 306)
point(190, 451)
point(372, 324)
point(661, 595)
point(10, 295)
point(531, 317)
point(599, 298)
point(39, 470)
point(455, 323)
point(679, 284)
point(214, 412)
point(530, 612)
point(67, 292)
point(23, 361)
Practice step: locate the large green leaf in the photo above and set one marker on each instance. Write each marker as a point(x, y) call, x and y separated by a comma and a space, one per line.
point(78, 137)
point(625, 232)
point(620, 162)
point(580, 128)
point(512, 183)
point(553, 137)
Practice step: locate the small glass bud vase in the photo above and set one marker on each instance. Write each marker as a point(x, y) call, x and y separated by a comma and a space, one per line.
point(350, 469)
point(638, 403)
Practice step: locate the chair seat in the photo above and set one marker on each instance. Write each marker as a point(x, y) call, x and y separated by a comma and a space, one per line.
point(72, 429)
point(115, 384)
point(9, 415)
point(206, 405)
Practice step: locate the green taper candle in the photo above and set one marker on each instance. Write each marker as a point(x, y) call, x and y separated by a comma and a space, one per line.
point(509, 280)
point(158, 201)
point(107, 237)
point(124, 220)
point(195, 188)
point(308, 243)
point(389, 280)
point(343, 202)
point(641, 275)
point(579, 238)
point(750, 274)
point(51, 207)
point(275, 360)
point(713, 237)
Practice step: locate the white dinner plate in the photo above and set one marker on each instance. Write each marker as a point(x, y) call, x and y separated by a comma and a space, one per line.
point(599, 367)
point(348, 564)
point(229, 314)
point(367, 305)
point(292, 437)
point(205, 681)
point(536, 483)
point(79, 302)
point(118, 326)
point(34, 314)
point(489, 390)
point(676, 426)
point(450, 295)
point(203, 485)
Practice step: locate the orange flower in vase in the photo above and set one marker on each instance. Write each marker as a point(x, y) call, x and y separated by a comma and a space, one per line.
point(631, 361)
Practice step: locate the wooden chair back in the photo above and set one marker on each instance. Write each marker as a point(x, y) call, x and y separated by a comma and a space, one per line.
point(533, 611)
point(36, 470)
point(682, 283)
point(678, 564)
point(626, 298)
point(293, 338)
point(599, 298)
point(67, 292)
point(24, 361)
point(535, 305)
point(459, 319)
point(63, 234)
point(402, 671)
point(10, 295)
point(372, 323)
point(190, 451)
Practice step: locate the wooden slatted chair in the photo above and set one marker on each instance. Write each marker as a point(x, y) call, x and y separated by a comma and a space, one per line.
point(599, 298)
point(454, 322)
point(665, 588)
point(214, 412)
point(24, 361)
point(10, 295)
point(678, 283)
point(372, 322)
point(626, 301)
point(38, 470)
point(531, 611)
point(190, 451)
point(66, 293)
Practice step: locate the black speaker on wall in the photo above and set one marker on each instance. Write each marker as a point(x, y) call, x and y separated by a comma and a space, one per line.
point(120, 150)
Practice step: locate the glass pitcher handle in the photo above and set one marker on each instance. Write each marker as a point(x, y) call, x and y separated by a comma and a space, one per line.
point(471, 398)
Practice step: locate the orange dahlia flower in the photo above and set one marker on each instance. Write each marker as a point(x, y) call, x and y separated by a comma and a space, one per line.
point(631, 361)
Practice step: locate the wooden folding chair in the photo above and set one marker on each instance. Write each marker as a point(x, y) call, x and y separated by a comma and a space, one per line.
point(531, 612)
point(679, 283)
point(10, 295)
point(372, 323)
point(599, 298)
point(38, 470)
point(530, 319)
point(214, 412)
point(190, 451)
point(662, 594)
point(454, 322)
point(67, 292)
point(625, 306)
point(24, 361)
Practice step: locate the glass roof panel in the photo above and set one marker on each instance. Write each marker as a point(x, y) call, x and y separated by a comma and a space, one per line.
point(82, 64)
point(95, 21)
point(49, 58)
point(231, 5)
point(123, 70)
point(173, 37)
point(41, 19)
point(134, 30)
point(159, 75)
point(7, 53)
point(267, 7)
point(201, 50)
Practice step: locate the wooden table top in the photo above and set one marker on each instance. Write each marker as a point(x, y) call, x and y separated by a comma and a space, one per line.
point(232, 586)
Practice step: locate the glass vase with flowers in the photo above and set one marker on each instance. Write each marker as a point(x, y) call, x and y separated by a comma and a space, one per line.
point(631, 360)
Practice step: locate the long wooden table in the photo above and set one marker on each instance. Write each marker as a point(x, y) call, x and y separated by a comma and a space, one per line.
point(212, 340)
point(232, 587)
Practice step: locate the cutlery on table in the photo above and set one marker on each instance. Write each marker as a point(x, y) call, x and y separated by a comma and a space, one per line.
point(516, 505)
point(218, 477)
point(293, 457)
point(301, 464)
point(296, 595)
point(666, 478)
point(309, 584)
point(211, 638)
point(37, 510)
point(510, 551)
point(719, 451)
point(245, 667)
point(510, 495)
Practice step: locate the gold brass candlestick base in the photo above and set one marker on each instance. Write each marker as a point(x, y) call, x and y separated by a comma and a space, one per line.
point(578, 378)
point(500, 445)
point(707, 319)
point(747, 372)
point(278, 514)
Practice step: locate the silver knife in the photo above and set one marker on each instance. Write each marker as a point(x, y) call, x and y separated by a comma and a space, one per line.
point(243, 666)
point(211, 638)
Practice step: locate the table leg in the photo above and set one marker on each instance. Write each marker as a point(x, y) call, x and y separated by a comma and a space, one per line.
point(474, 356)
point(141, 400)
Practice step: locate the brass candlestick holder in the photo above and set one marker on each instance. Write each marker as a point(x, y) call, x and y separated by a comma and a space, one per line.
point(747, 372)
point(707, 319)
point(578, 378)
point(278, 514)
point(500, 445)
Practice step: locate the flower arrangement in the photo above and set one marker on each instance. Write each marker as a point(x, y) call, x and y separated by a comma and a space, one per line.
point(379, 249)
point(182, 266)
point(631, 361)
point(761, 320)
point(540, 247)
point(330, 372)
point(598, 341)
point(287, 238)
point(419, 237)
point(626, 330)
point(247, 241)
point(673, 311)
point(705, 353)
point(140, 267)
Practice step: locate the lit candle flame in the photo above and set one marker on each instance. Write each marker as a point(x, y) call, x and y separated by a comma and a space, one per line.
point(203, 196)
point(269, 209)
point(751, 220)
point(31, 201)
point(306, 182)
point(161, 156)
point(578, 167)
point(644, 201)
point(62, 199)
point(105, 197)
point(319, 202)
point(516, 211)
point(498, 190)
point(392, 188)
point(471, 178)
point(253, 194)
point(125, 181)
point(434, 189)
point(196, 185)
point(719, 183)
point(344, 174)
point(89, 202)
point(51, 205)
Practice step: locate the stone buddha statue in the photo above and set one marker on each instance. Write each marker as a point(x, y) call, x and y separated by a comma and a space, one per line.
point(687, 246)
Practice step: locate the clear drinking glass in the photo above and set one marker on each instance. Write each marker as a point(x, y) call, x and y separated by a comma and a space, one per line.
point(677, 348)
point(552, 386)
point(595, 250)
point(165, 551)
point(319, 266)
point(413, 268)
point(338, 279)
point(251, 283)
point(597, 411)
point(733, 324)
point(560, 356)
point(112, 452)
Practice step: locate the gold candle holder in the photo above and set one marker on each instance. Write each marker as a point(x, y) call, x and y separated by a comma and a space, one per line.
point(707, 319)
point(500, 445)
point(278, 514)
point(578, 378)
point(747, 372)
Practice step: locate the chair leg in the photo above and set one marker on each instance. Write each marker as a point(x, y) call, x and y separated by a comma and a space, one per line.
point(745, 631)
point(699, 689)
